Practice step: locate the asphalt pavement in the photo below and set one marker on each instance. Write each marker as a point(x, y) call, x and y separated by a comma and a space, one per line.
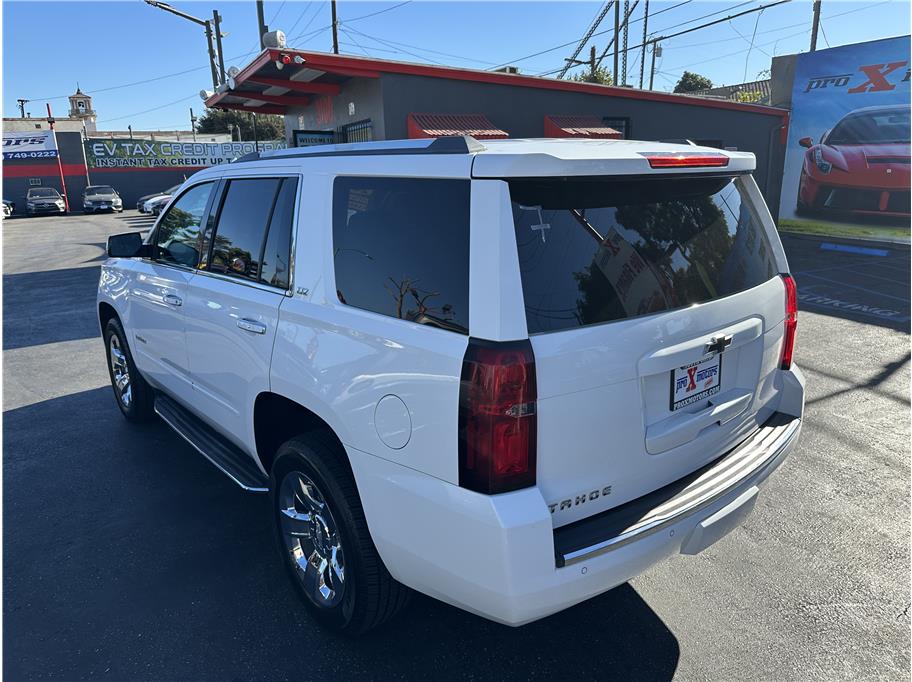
point(128, 556)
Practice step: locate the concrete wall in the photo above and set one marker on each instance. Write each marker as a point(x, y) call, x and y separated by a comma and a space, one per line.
point(782, 80)
point(521, 111)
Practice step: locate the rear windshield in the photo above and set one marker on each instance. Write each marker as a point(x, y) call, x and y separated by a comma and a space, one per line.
point(593, 251)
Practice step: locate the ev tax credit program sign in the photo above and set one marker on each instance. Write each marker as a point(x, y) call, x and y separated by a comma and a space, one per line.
point(37, 145)
point(848, 145)
point(146, 154)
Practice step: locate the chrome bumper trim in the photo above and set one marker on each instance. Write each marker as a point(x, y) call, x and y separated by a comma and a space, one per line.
point(731, 474)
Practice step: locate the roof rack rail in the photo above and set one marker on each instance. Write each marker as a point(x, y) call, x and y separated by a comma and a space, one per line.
point(463, 144)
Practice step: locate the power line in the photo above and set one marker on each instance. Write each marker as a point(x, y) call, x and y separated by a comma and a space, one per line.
point(574, 42)
point(388, 44)
point(146, 111)
point(373, 14)
point(668, 28)
point(660, 38)
point(424, 49)
point(781, 28)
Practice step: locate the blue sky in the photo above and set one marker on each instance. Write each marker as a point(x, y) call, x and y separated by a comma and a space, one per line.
point(49, 46)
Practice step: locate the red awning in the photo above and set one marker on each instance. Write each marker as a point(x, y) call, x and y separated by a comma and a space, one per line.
point(579, 126)
point(445, 125)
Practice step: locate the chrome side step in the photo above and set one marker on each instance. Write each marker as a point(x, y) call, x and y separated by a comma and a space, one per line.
point(229, 459)
point(616, 527)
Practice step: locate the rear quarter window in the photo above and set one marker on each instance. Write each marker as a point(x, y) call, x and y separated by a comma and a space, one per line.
point(401, 248)
point(593, 251)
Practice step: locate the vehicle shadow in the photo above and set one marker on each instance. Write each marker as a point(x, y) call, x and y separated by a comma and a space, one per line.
point(868, 283)
point(161, 568)
point(50, 306)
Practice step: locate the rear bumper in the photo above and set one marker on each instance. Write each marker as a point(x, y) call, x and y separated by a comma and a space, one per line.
point(500, 557)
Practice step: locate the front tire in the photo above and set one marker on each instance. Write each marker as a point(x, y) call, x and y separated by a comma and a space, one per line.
point(324, 541)
point(133, 394)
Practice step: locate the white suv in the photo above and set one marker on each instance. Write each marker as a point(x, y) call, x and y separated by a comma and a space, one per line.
point(510, 376)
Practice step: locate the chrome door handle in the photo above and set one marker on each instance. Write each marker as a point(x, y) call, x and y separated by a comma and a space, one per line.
point(171, 299)
point(251, 326)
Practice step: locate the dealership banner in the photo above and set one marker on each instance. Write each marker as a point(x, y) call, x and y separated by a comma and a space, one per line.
point(848, 146)
point(149, 154)
point(37, 145)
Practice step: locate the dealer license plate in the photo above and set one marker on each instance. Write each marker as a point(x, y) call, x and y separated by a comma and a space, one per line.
point(695, 382)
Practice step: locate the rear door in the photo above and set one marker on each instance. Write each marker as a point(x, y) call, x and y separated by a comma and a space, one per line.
point(233, 300)
point(655, 312)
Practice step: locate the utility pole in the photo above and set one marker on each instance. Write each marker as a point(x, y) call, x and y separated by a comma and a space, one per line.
point(217, 25)
point(624, 53)
point(643, 56)
point(206, 24)
point(193, 124)
point(815, 26)
point(256, 137)
point(656, 51)
point(262, 29)
point(335, 28)
point(66, 201)
point(617, 27)
point(21, 103)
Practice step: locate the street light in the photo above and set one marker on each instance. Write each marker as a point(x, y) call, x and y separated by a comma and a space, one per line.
point(216, 64)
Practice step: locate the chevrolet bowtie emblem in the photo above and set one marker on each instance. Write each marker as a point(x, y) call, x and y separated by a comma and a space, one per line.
point(717, 344)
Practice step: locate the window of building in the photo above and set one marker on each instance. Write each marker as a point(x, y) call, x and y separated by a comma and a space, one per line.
point(238, 242)
point(401, 248)
point(177, 239)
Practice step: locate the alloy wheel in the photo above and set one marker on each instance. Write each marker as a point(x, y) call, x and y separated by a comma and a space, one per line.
point(312, 539)
point(120, 371)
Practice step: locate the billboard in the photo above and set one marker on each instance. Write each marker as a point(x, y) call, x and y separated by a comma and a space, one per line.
point(848, 153)
point(40, 144)
point(151, 154)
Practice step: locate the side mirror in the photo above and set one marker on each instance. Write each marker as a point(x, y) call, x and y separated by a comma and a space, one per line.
point(127, 245)
point(806, 142)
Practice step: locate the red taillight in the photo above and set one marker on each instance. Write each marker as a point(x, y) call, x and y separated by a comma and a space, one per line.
point(791, 321)
point(689, 159)
point(497, 417)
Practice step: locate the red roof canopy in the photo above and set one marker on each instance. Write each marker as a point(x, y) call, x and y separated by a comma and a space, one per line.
point(444, 125)
point(287, 76)
point(579, 126)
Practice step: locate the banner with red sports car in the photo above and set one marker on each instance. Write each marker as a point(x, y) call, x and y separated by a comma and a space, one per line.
point(848, 146)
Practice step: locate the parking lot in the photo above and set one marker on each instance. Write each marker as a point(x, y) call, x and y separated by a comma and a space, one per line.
point(128, 556)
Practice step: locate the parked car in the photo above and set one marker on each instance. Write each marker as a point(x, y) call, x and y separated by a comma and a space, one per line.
point(860, 167)
point(39, 200)
point(101, 198)
point(8, 208)
point(156, 204)
point(141, 202)
point(509, 375)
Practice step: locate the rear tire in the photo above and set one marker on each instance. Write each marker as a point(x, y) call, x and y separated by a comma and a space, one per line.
point(323, 539)
point(134, 396)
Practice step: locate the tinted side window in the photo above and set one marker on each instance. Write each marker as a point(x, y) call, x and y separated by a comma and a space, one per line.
point(178, 233)
point(596, 251)
point(401, 248)
point(241, 227)
point(277, 254)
